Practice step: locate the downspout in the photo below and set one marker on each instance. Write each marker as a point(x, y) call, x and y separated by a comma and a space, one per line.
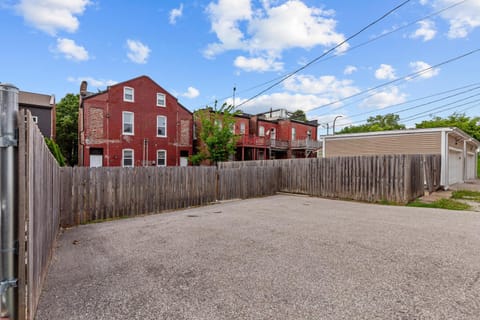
point(323, 146)
point(8, 203)
point(464, 160)
point(444, 155)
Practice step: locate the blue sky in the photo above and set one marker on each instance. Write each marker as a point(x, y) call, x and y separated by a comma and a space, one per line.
point(200, 50)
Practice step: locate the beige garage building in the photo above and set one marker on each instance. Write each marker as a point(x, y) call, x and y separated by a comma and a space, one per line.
point(457, 149)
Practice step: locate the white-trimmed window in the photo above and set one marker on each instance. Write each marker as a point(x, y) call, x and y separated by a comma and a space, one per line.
point(127, 158)
point(35, 119)
point(161, 158)
point(128, 94)
point(161, 126)
point(294, 134)
point(261, 131)
point(242, 128)
point(127, 123)
point(161, 100)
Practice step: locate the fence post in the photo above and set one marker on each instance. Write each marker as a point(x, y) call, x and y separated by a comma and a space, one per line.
point(8, 203)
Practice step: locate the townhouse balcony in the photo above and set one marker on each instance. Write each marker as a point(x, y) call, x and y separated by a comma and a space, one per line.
point(265, 142)
point(306, 144)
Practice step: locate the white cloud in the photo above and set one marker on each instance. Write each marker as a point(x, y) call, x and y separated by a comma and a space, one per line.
point(51, 16)
point(349, 70)
point(224, 17)
point(293, 24)
point(138, 52)
point(385, 72)
point(257, 64)
point(71, 50)
point(303, 92)
point(92, 82)
point(384, 98)
point(268, 30)
point(289, 101)
point(327, 86)
point(191, 93)
point(463, 18)
point(427, 30)
point(418, 66)
point(175, 14)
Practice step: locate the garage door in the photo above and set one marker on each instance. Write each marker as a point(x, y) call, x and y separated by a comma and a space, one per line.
point(470, 174)
point(455, 166)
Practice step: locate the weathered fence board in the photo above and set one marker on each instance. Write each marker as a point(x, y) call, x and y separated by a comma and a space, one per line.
point(39, 210)
point(390, 178)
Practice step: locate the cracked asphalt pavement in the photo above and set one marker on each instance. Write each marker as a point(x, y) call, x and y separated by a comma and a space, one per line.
point(280, 257)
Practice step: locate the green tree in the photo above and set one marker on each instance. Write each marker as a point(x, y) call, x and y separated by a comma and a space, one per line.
point(55, 150)
point(460, 120)
point(386, 122)
point(298, 115)
point(67, 127)
point(218, 141)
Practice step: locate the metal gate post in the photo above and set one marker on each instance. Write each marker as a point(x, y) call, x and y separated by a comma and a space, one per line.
point(8, 201)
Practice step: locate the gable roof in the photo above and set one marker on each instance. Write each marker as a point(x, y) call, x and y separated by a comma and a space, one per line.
point(90, 95)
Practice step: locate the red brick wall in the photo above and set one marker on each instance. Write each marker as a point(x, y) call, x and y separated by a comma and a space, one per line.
point(103, 124)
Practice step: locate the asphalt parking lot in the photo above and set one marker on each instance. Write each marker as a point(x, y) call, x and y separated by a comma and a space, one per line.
point(281, 257)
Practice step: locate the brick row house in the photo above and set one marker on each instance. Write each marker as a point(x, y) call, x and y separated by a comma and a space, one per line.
point(133, 123)
point(272, 135)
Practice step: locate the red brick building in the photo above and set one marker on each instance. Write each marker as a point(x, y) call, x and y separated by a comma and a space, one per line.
point(133, 123)
point(272, 135)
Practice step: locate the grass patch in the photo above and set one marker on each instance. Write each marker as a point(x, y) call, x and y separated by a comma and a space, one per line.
point(466, 195)
point(448, 204)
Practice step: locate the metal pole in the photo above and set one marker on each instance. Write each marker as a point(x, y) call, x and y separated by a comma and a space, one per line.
point(333, 131)
point(8, 203)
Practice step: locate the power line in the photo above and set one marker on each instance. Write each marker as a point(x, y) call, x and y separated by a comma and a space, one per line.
point(407, 102)
point(325, 53)
point(441, 108)
point(435, 13)
point(404, 78)
point(421, 105)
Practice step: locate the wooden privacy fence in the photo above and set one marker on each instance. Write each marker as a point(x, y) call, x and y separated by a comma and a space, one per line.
point(93, 194)
point(391, 178)
point(39, 213)
point(50, 196)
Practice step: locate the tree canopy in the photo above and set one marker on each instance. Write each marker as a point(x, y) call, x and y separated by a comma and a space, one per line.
point(386, 122)
point(218, 140)
point(67, 127)
point(460, 120)
point(298, 115)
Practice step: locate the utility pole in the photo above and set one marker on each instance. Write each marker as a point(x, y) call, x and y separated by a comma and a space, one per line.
point(234, 89)
point(326, 125)
point(8, 203)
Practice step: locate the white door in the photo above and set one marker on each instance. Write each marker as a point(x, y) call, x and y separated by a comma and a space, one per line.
point(455, 166)
point(96, 160)
point(470, 173)
point(183, 161)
